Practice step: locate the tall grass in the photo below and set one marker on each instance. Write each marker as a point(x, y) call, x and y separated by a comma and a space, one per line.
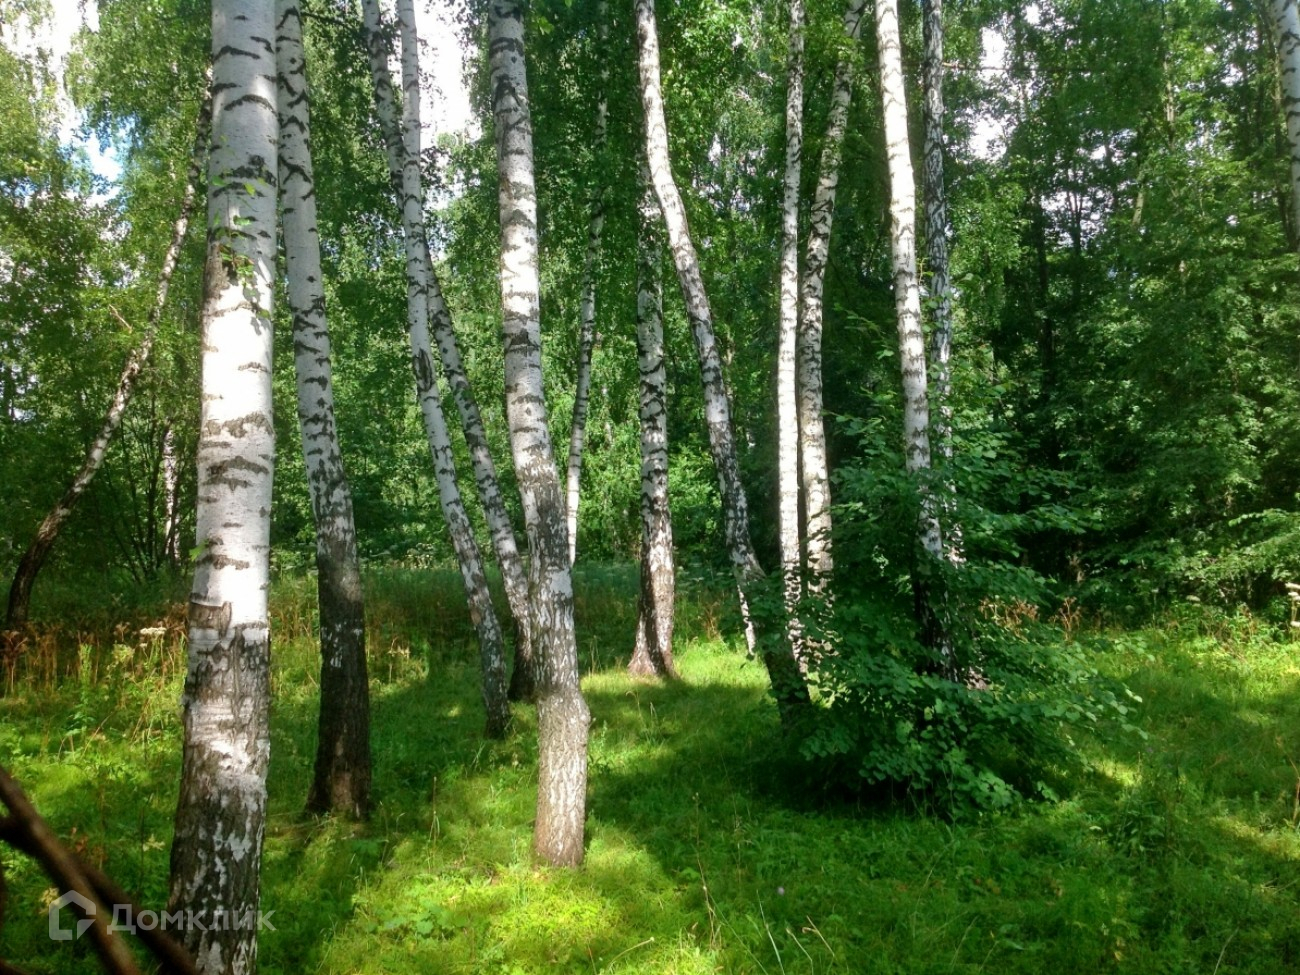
point(710, 850)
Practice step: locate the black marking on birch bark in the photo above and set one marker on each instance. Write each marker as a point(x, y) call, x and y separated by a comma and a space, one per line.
point(239, 426)
point(210, 617)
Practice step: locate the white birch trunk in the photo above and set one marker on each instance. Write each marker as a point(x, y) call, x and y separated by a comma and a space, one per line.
point(653, 652)
point(814, 471)
point(587, 305)
point(787, 410)
point(418, 275)
point(562, 715)
point(911, 339)
point(937, 268)
point(902, 246)
point(221, 812)
point(788, 685)
point(33, 559)
point(341, 781)
point(171, 497)
point(1286, 31)
point(485, 476)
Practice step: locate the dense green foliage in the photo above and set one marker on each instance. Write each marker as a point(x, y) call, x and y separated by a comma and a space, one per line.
point(1134, 206)
point(1126, 474)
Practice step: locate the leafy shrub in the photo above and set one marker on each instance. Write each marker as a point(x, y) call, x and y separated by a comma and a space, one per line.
point(998, 722)
point(1006, 731)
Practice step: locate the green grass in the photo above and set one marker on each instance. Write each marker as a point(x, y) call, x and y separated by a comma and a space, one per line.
point(709, 850)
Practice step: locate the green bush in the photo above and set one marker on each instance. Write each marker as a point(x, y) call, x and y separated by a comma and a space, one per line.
point(998, 721)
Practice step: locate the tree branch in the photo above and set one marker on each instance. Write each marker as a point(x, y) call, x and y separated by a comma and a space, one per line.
point(27, 832)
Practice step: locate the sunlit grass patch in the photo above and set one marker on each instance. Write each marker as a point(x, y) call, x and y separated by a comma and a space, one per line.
point(709, 848)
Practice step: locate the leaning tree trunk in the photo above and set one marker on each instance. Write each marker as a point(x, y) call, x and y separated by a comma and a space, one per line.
point(562, 715)
point(221, 813)
point(171, 496)
point(911, 340)
point(419, 272)
point(341, 781)
point(33, 559)
point(937, 269)
point(787, 413)
point(587, 305)
point(485, 477)
point(812, 428)
point(788, 686)
point(653, 654)
point(1286, 31)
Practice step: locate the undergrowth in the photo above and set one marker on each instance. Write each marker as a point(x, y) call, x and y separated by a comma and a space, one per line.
point(710, 849)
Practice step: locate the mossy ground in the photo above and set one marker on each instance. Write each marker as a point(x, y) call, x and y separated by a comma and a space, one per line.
point(709, 848)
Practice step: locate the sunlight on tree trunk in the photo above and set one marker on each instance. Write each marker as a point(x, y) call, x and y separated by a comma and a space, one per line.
point(911, 340)
point(221, 812)
point(419, 272)
point(341, 780)
point(787, 410)
point(562, 715)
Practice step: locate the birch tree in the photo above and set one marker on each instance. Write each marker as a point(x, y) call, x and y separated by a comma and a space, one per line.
point(788, 685)
point(787, 413)
point(1286, 32)
point(33, 558)
point(587, 304)
point(653, 652)
point(907, 304)
point(341, 780)
point(221, 811)
point(939, 279)
point(814, 472)
point(562, 715)
point(418, 275)
point(502, 532)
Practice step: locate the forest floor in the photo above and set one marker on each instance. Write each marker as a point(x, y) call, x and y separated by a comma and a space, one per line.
point(707, 850)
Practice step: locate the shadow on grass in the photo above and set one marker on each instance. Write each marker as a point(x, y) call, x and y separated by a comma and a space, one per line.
point(708, 848)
